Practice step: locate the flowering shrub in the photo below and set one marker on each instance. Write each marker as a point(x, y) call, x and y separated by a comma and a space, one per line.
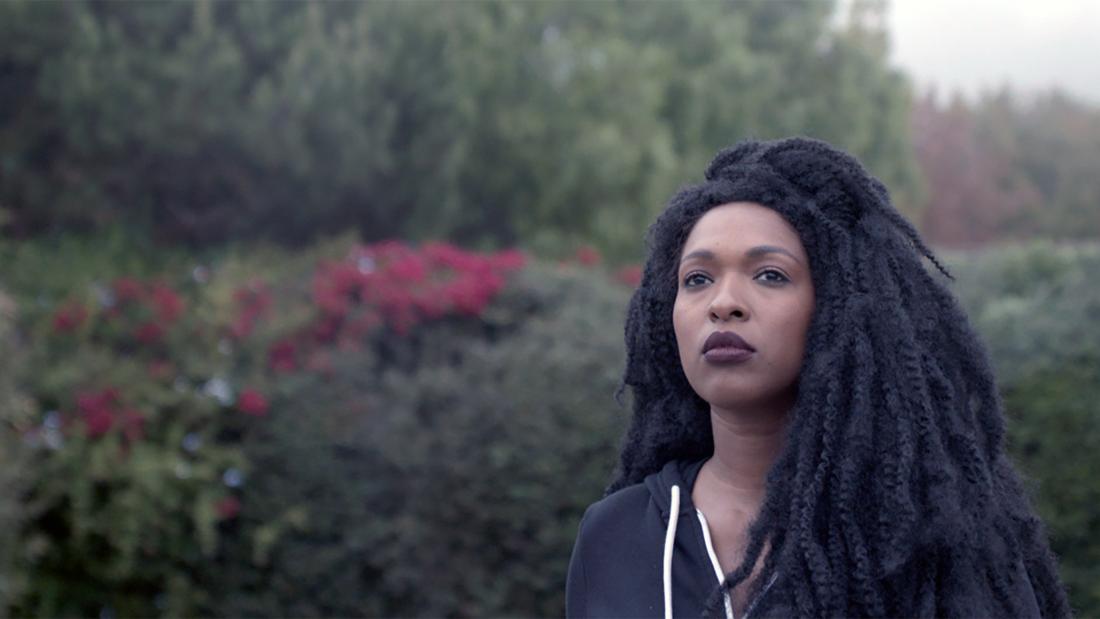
point(15, 411)
point(148, 388)
point(391, 283)
point(282, 448)
point(503, 426)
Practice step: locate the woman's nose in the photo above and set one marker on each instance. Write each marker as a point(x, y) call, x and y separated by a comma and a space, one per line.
point(726, 306)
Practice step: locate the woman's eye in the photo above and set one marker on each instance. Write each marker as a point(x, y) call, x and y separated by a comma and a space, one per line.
point(692, 277)
point(779, 277)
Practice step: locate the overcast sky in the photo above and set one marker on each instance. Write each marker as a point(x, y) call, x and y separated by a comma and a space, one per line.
point(971, 44)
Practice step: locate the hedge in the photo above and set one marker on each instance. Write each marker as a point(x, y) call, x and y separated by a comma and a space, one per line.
point(388, 429)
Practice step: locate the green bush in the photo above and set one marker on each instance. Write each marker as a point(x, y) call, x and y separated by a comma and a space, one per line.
point(445, 473)
point(15, 416)
point(1036, 306)
point(223, 442)
point(488, 124)
point(1054, 414)
point(387, 430)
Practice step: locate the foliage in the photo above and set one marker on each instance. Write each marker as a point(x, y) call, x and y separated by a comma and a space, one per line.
point(489, 124)
point(1004, 168)
point(145, 391)
point(414, 430)
point(1035, 306)
point(15, 414)
point(1053, 413)
point(463, 461)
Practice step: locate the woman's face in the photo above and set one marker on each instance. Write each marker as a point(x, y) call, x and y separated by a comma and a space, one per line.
point(743, 270)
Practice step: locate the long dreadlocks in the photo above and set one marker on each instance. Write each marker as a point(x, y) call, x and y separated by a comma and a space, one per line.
point(893, 496)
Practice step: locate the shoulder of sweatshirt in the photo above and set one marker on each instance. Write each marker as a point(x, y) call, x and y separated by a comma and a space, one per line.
point(619, 513)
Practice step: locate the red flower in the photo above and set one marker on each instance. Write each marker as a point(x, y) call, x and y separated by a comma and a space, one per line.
point(388, 250)
point(167, 304)
point(252, 402)
point(106, 398)
point(326, 329)
point(96, 410)
point(69, 317)
point(471, 293)
point(133, 425)
point(393, 283)
point(98, 422)
point(149, 333)
point(402, 323)
point(448, 256)
point(336, 286)
point(253, 301)
point(241, 328)
point(630, 275)
point(431, 305)
point(127, 289)
point(228, 507)
point(408, 270)
point(588, 256)
point(281, 356)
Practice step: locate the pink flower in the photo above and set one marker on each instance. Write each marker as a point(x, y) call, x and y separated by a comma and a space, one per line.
point(252, 402)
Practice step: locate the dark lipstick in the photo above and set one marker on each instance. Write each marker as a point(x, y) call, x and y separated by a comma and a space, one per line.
point(726, 347)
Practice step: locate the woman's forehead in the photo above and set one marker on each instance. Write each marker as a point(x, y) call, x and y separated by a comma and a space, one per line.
point(741, 225)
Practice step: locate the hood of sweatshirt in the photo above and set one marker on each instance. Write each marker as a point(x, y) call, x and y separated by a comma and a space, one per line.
point(675, 473)
point(645, 551)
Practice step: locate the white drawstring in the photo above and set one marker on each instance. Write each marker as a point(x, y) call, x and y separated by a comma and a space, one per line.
point(714, 561)
point(670, 537)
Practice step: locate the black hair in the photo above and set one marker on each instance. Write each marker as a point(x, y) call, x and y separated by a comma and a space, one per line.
point(893, 495)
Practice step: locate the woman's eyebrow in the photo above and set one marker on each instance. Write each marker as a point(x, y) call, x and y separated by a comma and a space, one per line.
point(754, 252)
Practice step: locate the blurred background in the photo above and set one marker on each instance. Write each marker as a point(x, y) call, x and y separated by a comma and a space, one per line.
point(316, 309)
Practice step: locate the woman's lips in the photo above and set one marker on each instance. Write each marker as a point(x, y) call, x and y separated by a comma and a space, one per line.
point(727, 355)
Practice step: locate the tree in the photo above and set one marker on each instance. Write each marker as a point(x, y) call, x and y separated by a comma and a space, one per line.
point(487, 124)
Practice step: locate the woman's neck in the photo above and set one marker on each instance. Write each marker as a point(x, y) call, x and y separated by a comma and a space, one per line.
point(745, 447)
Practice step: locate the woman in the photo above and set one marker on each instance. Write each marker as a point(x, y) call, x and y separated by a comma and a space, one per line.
point(816, 431)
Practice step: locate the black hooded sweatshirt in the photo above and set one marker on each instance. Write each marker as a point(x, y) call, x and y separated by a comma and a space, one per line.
point(618, 568)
